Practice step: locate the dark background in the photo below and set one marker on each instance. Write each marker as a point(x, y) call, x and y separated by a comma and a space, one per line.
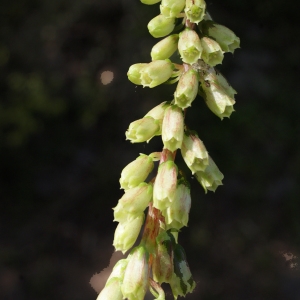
point(62, 148)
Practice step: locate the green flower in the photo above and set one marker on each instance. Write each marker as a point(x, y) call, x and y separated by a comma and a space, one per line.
point(111, 291)
point(143, 130)
point(177, 212)
point(135, 283)
point(127, 232)
point(165, 48)
point(134, 73)
point(150, 2)
point(195, 10)
point(211, 177)
point(136, 172)
point(187, 89)
point(172, 128)
point(133, 202)
point(161, 26)
point(218, 97)
point(194, 152)
point(189, 46)
point(156, 73)
point(171, 8)
point(223, 35)
point(212, 53)
point(165, 185)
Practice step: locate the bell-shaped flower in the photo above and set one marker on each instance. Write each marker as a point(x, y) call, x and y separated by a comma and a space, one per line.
point(177, 213)
point(162, 266)
point(133, 202)
point(211, 177)
point(173, 128)
point(165, 185)
point(165, 48)
point(194, 152)
point(111, 291)
point(156, 73)
point(187, 89)
point(223, 36)
point(189, 46)
point(136, 172)
point(143, 130)
point(150, 2)
point(195, 10)
point(182, 281)
point(134, 73)
point(135, 282)
point(171, 8)
point(212, 53)
point(127, 232)
point(219, 99)
point(161, 26)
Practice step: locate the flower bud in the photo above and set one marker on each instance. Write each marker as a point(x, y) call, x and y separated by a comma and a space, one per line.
point(165, 185)
point(194, 152)
point(161, 26)
point(111, 291)
point(135, 283)
point(158, 111)
point(162, 266)
point(136, 172)
point(195, 10)
point(134, 73)
point(212, 53)
point(172, 128)
point(177, 213)
point(171, 8)
point(143, 130)
point(133, 202)
point(156, 73)
point(127, 232)
point(187, 89)
point(189, 46)
point(223, 36)
point(219, 99)
point(165, 48)
point(150, 2)
point(211, 177)
point(118, 270)
point(182, 281)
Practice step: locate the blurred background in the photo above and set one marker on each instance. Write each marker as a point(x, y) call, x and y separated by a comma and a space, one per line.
point(62, 148)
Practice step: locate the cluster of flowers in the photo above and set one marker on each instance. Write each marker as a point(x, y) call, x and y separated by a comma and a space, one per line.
point(159, 258)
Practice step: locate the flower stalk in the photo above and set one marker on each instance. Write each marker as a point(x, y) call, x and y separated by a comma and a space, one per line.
point(189, 32)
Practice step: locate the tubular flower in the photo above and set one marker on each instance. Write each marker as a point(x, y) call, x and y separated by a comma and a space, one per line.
point(212, 53)
point(165, 48)
point(161, 26)
point(136, 172)
point(195, 10)
point(211, 177)
point(171, 8)
point(172, 128)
